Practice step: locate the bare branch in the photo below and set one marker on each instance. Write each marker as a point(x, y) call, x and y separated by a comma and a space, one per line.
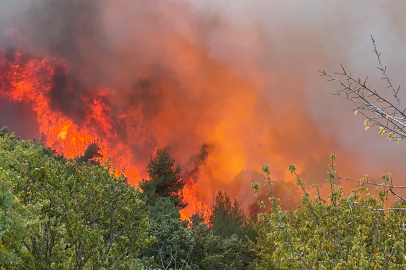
point(370, 183)
point(389, 116)
point(380, 209)
point(385, 76)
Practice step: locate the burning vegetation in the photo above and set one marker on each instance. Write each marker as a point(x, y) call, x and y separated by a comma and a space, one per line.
point(75, 78)
point(153, 118)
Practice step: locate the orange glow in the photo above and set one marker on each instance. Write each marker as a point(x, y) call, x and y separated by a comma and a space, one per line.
point(30, 83)
point(194, 204)
point(168, 91)
point(137, 76)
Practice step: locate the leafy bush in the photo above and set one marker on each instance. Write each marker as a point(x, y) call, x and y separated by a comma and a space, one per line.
point(56, 214)
point(341, 232)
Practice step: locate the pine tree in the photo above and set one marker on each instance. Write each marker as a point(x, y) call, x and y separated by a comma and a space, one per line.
point(228, 218)
point(165, 180)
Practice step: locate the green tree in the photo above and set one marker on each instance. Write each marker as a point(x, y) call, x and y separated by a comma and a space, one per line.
point(165, 180)
point(174, 243)
point(228, 221)
point(4, 131)
point(213, 252)
point(228, 218)
point(14, 220)
point(194, 246)
point(70, 216)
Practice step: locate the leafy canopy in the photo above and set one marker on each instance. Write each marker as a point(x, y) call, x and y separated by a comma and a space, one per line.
point(56, 214)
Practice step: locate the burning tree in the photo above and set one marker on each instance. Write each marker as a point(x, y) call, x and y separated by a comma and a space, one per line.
point(92, 153)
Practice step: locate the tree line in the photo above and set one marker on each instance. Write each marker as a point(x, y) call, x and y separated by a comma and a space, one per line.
point(57, 213)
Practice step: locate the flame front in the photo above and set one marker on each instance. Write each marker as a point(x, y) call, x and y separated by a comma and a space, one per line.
point(30, 82)
point(154, 77)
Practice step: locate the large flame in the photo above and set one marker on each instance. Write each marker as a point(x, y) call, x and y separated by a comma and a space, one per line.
point(154, 76)
point(31, 81)
point(229, 125)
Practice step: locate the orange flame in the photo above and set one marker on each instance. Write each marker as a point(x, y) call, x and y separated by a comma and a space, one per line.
point(30, 83)
point(194, 204)
point(202, 100)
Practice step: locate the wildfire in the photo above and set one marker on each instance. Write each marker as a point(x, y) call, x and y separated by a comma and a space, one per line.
point(155, 77)
point(194, 204)
point(30, 82)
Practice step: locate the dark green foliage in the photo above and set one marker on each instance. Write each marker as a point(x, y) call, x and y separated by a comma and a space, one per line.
point(213, 252)
point(92, 154)
point(229, 221)
point(165, 180)
point(4, 131)
point(199, 246)
point(229, 218)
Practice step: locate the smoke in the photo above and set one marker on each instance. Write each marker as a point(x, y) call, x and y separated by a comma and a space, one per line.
point(239, 76)
point(297, 38)
point(196, 162)
point(315, 171)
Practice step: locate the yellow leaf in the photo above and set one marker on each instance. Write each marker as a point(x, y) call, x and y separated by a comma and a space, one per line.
point(356, 112)
point(367, 127)
point(391, 135)
point(382, 131)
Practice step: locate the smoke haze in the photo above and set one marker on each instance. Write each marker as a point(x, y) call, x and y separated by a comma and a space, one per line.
point(238, 76)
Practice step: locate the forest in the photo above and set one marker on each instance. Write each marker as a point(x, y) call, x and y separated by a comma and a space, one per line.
point(82, 213)
point(60, 213)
